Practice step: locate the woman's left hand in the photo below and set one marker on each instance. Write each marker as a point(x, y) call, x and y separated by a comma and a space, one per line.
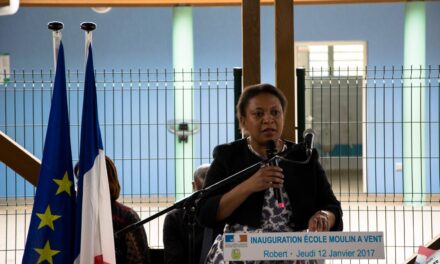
point(321, 221)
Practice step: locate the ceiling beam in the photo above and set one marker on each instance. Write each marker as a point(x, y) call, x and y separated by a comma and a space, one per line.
point(159, 3)
point(4, 3)
point(19, 159)
point(251, 42)
point(284, 63)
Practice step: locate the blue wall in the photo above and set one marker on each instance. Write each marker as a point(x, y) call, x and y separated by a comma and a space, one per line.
point(128, 38)
point(141, 38)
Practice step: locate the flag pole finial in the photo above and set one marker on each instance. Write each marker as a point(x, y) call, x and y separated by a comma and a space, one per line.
point(88, 26)
point(55, 25)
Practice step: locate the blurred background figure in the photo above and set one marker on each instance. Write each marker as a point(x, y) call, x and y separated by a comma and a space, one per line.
point(178, 231)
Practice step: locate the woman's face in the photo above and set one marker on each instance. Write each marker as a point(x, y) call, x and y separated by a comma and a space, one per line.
point(264, 119)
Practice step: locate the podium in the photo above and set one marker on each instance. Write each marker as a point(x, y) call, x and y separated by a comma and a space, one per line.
point(303, 246)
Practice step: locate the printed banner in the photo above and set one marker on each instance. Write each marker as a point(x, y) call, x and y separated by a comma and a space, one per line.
point(303, 246)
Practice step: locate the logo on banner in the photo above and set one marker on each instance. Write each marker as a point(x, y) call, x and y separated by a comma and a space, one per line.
point(235, 253)
point(236, 240)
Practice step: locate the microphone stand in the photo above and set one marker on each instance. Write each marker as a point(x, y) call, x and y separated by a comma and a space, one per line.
point(193, 198)
point(190, 203)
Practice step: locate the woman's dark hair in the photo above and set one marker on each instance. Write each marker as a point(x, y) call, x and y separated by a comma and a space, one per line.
point(253, 90)
point(112, 175)
point(113, 181)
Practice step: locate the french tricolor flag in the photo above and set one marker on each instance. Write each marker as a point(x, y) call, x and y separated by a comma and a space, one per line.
point(94, 240)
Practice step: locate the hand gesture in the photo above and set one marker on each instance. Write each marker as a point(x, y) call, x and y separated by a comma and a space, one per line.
point(267, 176)
point(321, 221)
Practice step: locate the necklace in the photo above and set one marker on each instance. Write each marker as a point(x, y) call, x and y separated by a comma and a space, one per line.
point(248, 139)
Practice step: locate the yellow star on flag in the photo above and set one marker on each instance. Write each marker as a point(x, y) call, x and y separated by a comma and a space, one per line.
point(46, 253)
point(47, 218)
point(63, 184)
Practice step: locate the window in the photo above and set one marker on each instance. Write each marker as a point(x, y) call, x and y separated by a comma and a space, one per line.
point(335, 75)
point(326, 59)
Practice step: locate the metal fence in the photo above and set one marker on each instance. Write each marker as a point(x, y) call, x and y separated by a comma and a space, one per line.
point(157, 126)
point(377, 131)
point(382, 160)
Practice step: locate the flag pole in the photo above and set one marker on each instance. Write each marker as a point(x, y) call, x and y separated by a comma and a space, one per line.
point(56, 28)
point(88, 27)
point(94, 240)
point(51, 232)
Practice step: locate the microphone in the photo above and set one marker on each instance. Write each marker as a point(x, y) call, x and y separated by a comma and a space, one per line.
point(309, 136)
point(271, 150)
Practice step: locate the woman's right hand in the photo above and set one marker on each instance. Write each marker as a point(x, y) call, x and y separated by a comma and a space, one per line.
point(268, 176)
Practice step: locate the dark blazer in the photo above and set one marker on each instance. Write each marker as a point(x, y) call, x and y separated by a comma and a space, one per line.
point(177, 236)
point(306, 185)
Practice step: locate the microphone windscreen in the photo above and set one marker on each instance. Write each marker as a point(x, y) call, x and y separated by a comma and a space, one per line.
point(308, 132)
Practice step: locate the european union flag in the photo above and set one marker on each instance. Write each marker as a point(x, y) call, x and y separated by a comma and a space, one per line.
point(51, 232)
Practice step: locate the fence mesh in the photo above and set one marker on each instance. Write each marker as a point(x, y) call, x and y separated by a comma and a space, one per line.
point(376, 131)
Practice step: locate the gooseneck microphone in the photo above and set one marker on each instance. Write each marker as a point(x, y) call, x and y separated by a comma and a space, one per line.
point(309, 136)
point(271, 150)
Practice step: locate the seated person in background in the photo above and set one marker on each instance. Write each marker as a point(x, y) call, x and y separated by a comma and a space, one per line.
point(176, 231)
point(131, 247)
point(250, 205)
